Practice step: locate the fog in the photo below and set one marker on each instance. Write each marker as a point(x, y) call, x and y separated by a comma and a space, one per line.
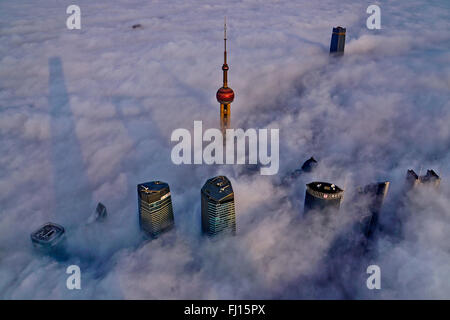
point(86, 115)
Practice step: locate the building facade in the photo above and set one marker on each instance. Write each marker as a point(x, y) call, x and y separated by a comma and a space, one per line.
point(218, 209)
point(155, 208)
point(372, 196)
point(338, 41)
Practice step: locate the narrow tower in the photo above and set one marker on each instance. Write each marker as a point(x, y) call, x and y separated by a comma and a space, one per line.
point(369, 203)
point(338, 41)
point(225, 95)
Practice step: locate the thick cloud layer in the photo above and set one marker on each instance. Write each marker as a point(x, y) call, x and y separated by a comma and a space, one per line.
point(87, 114)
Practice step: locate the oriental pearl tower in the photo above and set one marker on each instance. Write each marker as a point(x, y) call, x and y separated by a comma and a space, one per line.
point(225, 95)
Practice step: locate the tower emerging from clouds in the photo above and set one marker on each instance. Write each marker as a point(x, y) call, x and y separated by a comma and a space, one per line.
point(338, 41)
point(155, 208)
point(372, 196)
point(218, 211)
point(48, 236)
point(413, 180)
point(225, 95)
point(431, 178)
point(322, 196)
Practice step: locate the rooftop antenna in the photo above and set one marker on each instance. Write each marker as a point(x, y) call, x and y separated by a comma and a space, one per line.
point(225, 28)
point(225, 38)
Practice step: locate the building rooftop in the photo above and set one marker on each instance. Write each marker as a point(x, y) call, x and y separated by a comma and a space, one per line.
point(48, 235)
point(339, 29)
point(152, 186)
point(218, 188)
point(431, 178)
point(309, 165)
point(324, 187)
point(153, 190)
point(378, 188)
point(100, 211)
point(411, 174)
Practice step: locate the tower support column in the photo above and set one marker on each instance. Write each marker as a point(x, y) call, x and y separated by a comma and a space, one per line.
point(224, 117)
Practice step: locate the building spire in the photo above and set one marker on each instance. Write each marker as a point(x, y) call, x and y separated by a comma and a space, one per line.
point(225, 65)
point(225, 39)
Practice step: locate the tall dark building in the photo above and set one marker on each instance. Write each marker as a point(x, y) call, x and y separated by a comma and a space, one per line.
point(431, 179)
point(338, 41)
point(322, 196)
point(100, 212)
point(155, 208)
point(374, 194)
point(218, 211)
point(413, 180)
point(48, 236)
point(309, 165)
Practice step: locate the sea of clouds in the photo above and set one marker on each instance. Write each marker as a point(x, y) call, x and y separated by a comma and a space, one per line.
point(86, 115)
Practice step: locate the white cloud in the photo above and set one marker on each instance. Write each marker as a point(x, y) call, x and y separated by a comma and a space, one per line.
point(372, 114)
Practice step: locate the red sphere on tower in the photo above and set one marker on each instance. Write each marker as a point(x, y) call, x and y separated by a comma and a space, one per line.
point(225, 95)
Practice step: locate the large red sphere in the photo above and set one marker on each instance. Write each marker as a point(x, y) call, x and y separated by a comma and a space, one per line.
point(225, 95)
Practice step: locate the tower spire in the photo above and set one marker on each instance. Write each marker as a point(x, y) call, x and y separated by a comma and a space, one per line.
point(225, 65)
point(225, 38)
point(225, 95)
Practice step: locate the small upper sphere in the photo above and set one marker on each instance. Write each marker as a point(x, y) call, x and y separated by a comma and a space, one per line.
point(225, 95)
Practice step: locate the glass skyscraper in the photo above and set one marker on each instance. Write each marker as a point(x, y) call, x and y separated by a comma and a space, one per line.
point(338, 41)
point(218, 211)
point(155, 208)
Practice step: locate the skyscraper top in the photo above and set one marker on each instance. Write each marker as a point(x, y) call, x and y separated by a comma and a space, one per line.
point(338, 41)
point(153, 190)
point(48, 235)
point(309, 165)
point(431, 178)
point(412, 179)
point(152, 186)
point(324, 190)
point(218, 189)
point(339, 30)
point(379, 188)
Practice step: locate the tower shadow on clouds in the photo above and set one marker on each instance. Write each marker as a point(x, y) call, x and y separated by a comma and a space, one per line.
point(72, 192)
